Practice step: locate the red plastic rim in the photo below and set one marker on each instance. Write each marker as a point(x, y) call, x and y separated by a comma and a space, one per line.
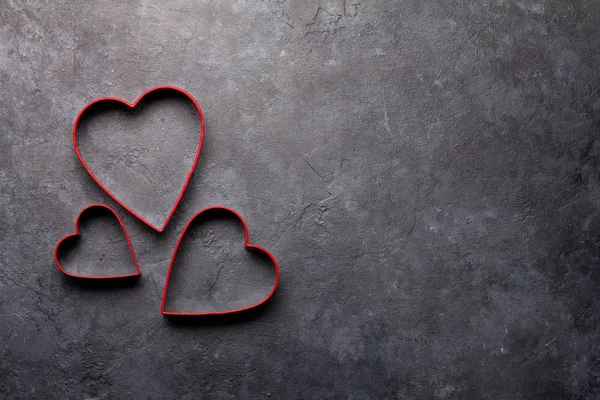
point(132, 106)
point(76, 233)
point(246, 244)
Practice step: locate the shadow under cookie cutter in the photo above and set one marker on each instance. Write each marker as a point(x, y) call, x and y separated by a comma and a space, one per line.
point(76, 233)
point(246, 244)
point(132, 106)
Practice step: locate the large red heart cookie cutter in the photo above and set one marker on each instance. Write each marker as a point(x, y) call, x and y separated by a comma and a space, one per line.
point(246, 244)
point(132, 106)
point(76, 233)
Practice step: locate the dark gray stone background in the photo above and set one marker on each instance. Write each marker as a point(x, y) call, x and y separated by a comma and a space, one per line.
point(425, 172)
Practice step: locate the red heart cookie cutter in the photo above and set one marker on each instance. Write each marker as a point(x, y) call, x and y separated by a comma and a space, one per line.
point(132, 106)
point(246, 244)
point(77, 234)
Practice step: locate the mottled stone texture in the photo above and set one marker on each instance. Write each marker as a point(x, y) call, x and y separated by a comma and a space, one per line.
point(426, 172)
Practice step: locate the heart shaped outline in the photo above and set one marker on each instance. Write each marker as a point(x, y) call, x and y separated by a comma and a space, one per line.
point(76, 233)
point(246, 244)
point(132, 106)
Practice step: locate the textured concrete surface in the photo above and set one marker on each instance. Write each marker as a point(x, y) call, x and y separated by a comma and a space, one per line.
point(425, 172)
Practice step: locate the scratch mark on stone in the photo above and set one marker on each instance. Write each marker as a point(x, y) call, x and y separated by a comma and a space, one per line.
point(386, 121)
point(314, 170)
point(412, 228)
point(215, 281)
point(155, 285)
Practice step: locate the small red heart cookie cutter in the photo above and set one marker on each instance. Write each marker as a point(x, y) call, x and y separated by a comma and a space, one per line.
point(132, 106)
point(77, 234)
point(246, 244)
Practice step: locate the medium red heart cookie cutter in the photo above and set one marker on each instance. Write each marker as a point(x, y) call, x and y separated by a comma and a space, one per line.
point(77, 234)
point(246, 244)
point(132, 106)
